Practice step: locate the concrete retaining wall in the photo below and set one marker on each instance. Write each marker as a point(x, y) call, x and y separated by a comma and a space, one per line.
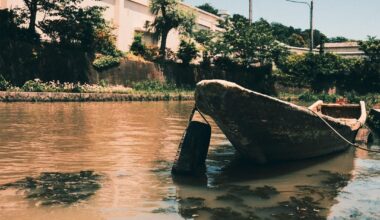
point(128, 72)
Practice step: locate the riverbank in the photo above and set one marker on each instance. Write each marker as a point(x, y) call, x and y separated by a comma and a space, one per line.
point(306, 98)
point(92, 97)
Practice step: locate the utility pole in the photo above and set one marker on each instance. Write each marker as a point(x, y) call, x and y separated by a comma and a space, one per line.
point(311, 6)
point(311, 26)
point(250, 11)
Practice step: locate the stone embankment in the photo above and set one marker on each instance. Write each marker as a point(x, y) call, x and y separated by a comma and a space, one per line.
point(88, 97)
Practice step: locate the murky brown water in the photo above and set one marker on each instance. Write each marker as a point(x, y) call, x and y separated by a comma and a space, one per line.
point(132, 145)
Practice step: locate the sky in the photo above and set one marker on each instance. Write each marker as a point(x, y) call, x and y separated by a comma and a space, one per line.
point(353, 19)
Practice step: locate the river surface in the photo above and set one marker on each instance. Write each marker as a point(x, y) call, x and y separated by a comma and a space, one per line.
point(131, 146)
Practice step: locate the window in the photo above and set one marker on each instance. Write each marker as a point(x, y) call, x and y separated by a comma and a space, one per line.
point(201, 27)
point(147, 38)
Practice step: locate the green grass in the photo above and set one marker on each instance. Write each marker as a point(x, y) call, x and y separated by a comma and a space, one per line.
point(145, 90)
point(157, 86)
point(308, 98)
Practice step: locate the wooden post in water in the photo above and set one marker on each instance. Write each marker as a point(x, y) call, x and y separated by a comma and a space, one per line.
point(193, 149)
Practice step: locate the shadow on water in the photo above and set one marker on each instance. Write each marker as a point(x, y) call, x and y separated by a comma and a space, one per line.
point(307, 201)
point(242, 169)
point(58, 188)
point(225, 165)
point(234, 188)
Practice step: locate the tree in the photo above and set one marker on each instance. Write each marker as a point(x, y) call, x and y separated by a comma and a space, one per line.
point(76, 26)
point(296, 40)
point(338, 39)
point(138, 47)
point(285, 34)
point(209, 8)
point(206, 39)
point(28, 15)
point(69, 24)
point(321, 71)
point(289, 34)
point(168, 17)
point(105, 40)
point(10, 30)
point(33, 7)
point(187, 51)
point(318, 37)
point(371, 48)
point(250, 43)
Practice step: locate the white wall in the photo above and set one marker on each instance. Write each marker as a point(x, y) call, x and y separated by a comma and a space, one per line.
point(135, 17)
point(131, 15)
point(3, 4)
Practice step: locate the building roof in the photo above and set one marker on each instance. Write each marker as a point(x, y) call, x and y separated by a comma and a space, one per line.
point(200, 10)
point(347, 44)
point(146, 3)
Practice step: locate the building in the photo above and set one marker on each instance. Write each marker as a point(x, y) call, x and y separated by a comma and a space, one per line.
point(132, 16)
point(346, 49)
point(299, 50)
point(296, 50)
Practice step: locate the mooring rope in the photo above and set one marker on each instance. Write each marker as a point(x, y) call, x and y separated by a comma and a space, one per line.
point(204, 118)
point(342, 137)
point(195, 109)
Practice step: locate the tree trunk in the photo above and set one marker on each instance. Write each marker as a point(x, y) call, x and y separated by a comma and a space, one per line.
point(33, 17)
point(164, 38)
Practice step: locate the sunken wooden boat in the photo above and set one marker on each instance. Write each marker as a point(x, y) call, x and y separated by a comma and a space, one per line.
point(266, 129)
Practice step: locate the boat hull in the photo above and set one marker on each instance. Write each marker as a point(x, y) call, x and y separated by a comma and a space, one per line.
point(266, 129)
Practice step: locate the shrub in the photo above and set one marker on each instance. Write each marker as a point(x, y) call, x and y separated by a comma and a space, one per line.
point(35, 85)
point(187, 51)
point(4, 84)
point(225, 63)
point(312, 97)
point(138, 47)
point(105, 41)
point(370, 99)
point(106, 62)
point(78, 88)
point(55, 86)
point(153, 85)
point(152, 53)
point(328, 98)
point(321, 71)
point(103, 83)
point(371, 70)
point(170, 55)
point(308, 97)
point(352, 97)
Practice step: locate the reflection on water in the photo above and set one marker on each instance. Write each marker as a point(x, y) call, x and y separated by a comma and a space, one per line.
point(360, 199)
point(132, 146)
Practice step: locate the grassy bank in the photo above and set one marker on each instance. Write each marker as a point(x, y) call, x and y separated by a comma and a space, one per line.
point(90, 97)
point(308, 98)
point(38, 91)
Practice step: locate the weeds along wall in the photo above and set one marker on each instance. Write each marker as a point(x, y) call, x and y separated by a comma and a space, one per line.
point(258, 78)
point(23, 61)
